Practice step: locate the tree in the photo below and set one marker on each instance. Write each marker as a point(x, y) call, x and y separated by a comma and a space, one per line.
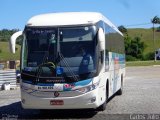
point(155, 20)
point(122, 29)
point(5, 35)
point(134, 48)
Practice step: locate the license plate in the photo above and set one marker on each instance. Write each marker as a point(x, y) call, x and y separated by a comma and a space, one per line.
point(56, 102)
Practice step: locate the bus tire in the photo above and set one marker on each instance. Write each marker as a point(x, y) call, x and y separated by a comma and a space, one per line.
point(120, 91)
point(103, 106)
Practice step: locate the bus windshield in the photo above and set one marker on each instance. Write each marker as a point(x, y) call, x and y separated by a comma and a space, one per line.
point(67, 53)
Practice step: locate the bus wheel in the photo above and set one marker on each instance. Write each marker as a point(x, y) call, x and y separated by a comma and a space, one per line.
point(120, 91)
point(103, 106)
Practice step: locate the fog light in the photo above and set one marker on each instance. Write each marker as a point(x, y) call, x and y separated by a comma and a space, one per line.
point(23, 101)
point(93, 99)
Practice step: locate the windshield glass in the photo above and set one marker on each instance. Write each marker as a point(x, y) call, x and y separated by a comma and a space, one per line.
point(39, 43)
point(77, 50)
point(59, 52)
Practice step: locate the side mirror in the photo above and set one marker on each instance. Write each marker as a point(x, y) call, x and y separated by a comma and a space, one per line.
point(101, 39)
point(12, 42)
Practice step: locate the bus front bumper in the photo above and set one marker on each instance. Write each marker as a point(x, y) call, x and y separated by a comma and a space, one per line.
point(84, 101)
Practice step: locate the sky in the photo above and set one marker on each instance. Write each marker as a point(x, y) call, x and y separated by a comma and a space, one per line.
point(14, 14)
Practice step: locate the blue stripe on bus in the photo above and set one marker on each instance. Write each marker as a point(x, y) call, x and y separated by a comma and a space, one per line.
point(83, 82)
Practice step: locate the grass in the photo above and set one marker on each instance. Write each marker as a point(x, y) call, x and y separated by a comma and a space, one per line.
point(5, 54)
point(143, 63)
point(146, 36)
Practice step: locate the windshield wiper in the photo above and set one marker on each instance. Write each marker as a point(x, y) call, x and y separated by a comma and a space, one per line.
point(68, 67)
point(39, 70)
point(50, 65)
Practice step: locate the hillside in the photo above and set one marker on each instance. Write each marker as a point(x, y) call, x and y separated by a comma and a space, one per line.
point(146, 35)
point(5, 53)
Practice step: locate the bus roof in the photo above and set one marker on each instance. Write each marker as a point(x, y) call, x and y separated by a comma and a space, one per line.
point(68, 18)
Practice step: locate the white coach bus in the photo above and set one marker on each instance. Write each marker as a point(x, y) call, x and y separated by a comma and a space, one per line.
point(71, 60)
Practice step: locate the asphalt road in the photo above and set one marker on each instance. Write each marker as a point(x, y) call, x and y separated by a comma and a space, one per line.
point(140, 100)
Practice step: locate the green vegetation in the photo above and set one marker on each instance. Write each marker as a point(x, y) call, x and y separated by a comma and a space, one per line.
point(143, 40)
point(142, 63)
point(134, 48)
point(5, 34)
point(141, 44)
point(146, 36)
point(5, 53)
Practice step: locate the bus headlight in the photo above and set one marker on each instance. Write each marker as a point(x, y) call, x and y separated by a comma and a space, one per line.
point(88, 88)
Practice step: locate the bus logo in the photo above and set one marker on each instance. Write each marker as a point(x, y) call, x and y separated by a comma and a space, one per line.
point(56, 94)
